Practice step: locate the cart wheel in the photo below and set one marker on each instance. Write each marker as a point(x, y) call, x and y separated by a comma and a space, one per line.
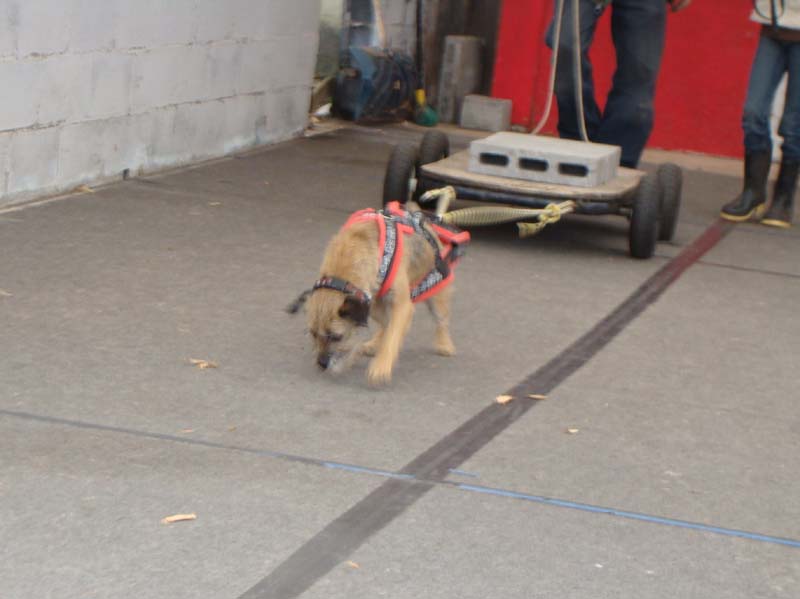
point(434, 147)
point(401, 174)
point(670, 178)
point(644, 218)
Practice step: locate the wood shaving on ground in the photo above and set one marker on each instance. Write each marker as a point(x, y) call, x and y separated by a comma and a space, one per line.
point(84, 189)
point(215, 203)
point(178, 518)
point(4, 293)
point(504, 399)
point(537, 396)
point(202, 364)
point(573, 431)
point(353, 565)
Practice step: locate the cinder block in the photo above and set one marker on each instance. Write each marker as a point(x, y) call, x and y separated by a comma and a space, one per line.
point(156, 23)
point(461, 74)
point(33, 160)
point(258, 68)
point(296, 63)
point(9, 27)
point(79, 87)
point(223, 63)
point(488, 114)
point(23, 84)
point(287, 18)
point(544, 159)
point(170, 75)
point(92, 25)
point(245, 122)
point(5, 156)
point(103, 148)
point(40, 28)
point(287, 112)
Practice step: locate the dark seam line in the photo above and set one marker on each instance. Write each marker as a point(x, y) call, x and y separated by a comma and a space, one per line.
point(333, 544)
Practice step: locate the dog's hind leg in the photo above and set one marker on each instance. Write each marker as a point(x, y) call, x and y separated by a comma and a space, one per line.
point(401, 311)
point(439, 306)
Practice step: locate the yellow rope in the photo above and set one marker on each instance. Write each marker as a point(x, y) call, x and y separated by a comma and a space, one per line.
point(495, 215)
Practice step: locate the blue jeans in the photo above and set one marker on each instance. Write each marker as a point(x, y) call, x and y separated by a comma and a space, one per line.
point(772, 60)
point(638, 30)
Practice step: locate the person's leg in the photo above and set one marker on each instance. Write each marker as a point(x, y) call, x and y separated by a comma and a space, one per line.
point(768, 67)
point(638, 28)
point(565, 82)
point(781, 210)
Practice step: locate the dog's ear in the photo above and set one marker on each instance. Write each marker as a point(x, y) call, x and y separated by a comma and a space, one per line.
point(355, 310)
point(295, 306)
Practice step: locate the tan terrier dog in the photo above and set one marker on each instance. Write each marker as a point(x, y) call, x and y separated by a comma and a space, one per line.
point(379, 265)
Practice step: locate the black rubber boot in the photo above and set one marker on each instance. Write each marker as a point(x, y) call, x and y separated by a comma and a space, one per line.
point(752, 200)
point(782, 208)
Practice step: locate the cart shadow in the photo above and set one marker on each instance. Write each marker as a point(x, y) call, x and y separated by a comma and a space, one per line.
point(573, 235)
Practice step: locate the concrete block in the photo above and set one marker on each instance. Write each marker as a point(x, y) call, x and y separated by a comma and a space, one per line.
point(287, 112)
point(246, 123)
point(9, 27)
point(23, 85)
point(79, 87)
point(169, 75)
point(258, 69)
point(544, 159)
point(218, 21)
point(156, 23)
point(33, 160)
point(92, 25)
point(103, 148)
point(488, 114)
point(5, 156)
point(295, 65)
point(461, 74)
point(223, 64)
point(41, 29)
point(291, 18)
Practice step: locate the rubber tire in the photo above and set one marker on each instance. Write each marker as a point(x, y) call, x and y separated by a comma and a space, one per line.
point(670, 178)
point(401, 168)
point(435, 146)
point(644, 225)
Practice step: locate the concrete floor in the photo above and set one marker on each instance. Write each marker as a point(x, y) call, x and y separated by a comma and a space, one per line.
point(682, 479)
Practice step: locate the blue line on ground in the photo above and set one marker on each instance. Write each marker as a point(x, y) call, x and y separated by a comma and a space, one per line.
point(462, 473)
point(731, 532)
point(402, 476)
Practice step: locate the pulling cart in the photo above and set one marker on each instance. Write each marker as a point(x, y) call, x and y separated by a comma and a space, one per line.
point(651, 201)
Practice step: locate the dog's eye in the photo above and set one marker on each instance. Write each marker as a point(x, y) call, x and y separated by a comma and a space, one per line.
point(333, 338)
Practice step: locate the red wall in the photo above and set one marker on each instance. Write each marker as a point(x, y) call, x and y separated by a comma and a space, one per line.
point(701, 86)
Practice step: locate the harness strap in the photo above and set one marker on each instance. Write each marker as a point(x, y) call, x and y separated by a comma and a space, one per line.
point(394, 223)
point(343, 286)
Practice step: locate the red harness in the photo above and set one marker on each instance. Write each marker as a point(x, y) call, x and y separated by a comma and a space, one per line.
point(394, 223)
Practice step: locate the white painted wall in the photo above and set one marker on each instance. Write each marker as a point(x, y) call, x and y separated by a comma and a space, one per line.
point(89, 88)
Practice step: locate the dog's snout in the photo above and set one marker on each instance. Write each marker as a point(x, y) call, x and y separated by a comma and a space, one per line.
point(324, 360)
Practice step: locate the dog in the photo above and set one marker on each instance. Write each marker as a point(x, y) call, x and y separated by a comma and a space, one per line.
point(379, 264)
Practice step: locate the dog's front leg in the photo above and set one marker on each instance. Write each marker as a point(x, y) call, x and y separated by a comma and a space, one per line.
point(378, 314)
point(391, 337)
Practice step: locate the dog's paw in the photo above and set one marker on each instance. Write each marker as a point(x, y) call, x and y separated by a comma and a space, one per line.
point(444, 346)
point(378, 374)
point(369, 349)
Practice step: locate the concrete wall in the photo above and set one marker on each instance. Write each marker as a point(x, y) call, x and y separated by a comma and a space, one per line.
point(90, 88)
